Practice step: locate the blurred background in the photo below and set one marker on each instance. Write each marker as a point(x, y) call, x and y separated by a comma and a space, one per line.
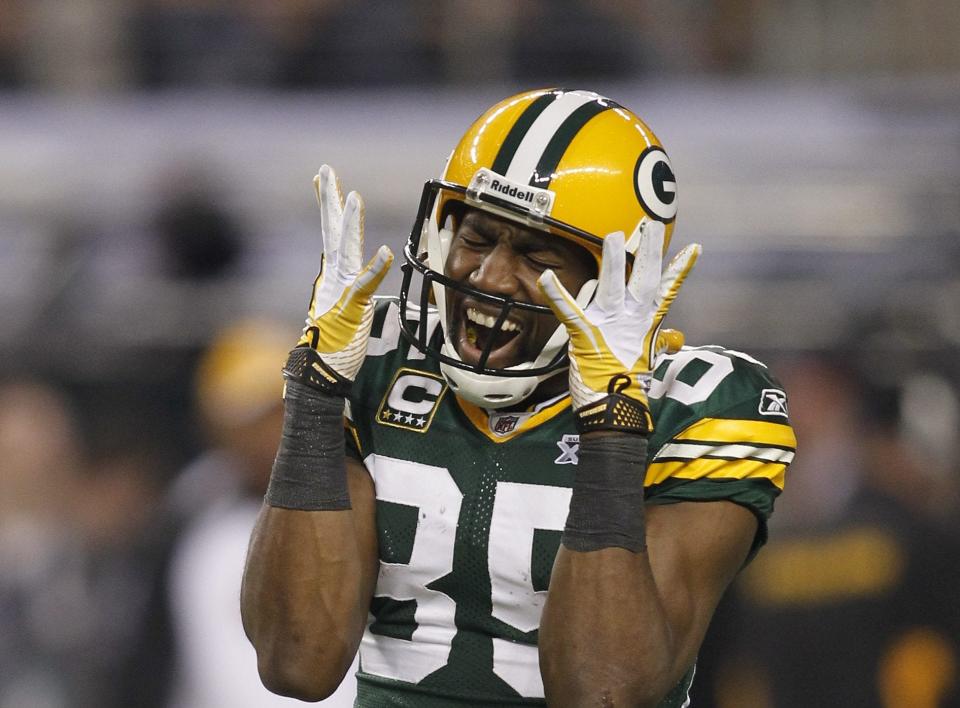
point(159, 235)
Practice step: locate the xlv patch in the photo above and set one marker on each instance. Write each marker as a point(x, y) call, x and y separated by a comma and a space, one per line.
point(569, 448)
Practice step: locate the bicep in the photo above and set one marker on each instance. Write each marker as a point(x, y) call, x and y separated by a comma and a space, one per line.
point(695, 550)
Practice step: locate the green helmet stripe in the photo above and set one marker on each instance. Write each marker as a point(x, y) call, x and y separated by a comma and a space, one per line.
point(519, 130)
point(561, 140)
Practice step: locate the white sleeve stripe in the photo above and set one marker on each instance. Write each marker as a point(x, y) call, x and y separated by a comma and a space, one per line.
point(693, 451)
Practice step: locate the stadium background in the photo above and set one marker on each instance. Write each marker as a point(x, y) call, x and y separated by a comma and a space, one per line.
point(155, 167)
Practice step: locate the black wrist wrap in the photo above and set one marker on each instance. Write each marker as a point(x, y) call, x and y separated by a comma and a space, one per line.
point(606, 507)
point(615, 411)
point(309, 473)
point(305, 366)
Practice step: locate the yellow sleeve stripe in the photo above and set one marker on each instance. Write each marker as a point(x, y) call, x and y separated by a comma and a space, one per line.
point(348, 425)
point(759, 432)
point(707, 468)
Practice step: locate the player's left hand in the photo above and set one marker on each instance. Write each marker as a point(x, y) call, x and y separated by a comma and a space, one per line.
point(613, 341)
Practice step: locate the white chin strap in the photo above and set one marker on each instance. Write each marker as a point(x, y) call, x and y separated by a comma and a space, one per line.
point(488, 390)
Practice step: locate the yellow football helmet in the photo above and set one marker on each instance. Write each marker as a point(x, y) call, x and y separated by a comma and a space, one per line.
point(571, 163)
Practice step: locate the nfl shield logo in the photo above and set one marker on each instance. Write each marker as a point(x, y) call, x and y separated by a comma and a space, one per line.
point(505, 424)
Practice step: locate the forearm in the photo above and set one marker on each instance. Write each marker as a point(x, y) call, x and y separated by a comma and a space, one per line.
point(305, 596)
point(605, 638)
point(311, 563)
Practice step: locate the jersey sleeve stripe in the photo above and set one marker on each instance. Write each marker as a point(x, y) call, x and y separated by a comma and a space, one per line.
point(351, 430)
point(709, 468)
point(693, 451)
point(762, 433)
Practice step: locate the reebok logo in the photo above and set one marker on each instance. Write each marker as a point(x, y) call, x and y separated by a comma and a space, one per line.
point(773, 401)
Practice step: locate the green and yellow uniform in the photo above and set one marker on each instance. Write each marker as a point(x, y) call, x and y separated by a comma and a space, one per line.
point(471, 504)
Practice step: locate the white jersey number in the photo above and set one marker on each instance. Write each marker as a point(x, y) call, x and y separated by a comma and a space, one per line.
point(434, 493)
point(720, 367)
point(518, 511)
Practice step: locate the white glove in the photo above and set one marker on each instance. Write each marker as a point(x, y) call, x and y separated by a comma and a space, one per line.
point(614, 340)
point(341, 306)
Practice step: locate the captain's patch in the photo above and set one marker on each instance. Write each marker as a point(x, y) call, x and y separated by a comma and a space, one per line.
point(412, 400)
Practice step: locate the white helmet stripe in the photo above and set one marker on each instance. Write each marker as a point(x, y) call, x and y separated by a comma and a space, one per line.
point(534, 143)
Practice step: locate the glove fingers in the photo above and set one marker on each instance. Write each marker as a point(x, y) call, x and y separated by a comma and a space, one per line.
point(675, 274)
point(311, 308)
point(610, 287)
point(567, 311)
point(560, 301)
point(373, 274)
point(646, 265)
point(330, 197)
point(351, 237)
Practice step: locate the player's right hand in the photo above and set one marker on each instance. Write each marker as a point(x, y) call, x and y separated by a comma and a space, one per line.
point(341, 305)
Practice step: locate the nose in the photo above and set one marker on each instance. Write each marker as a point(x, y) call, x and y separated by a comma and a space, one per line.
point(497, 272)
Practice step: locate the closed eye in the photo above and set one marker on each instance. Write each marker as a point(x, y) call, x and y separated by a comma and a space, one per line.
point(474, 240)
point(540, 263)
point(542, 259)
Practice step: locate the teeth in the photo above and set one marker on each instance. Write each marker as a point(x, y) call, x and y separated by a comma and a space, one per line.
point(489, 321)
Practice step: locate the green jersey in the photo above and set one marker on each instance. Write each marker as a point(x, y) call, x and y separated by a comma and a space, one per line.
point(471, 504)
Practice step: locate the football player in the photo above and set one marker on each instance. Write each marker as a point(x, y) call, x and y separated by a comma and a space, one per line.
point(540, 496)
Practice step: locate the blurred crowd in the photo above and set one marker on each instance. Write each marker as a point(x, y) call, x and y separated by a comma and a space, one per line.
point(121, 570)
point(109, 44)
point(131, 468)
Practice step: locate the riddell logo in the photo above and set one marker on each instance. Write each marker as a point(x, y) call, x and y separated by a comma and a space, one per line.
point(512, 191)
point(538, 202)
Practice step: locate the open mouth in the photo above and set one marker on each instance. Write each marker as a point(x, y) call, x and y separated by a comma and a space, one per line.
point(478, 332)
point(481, 329)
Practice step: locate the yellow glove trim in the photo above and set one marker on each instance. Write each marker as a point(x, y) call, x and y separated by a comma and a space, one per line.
point(589, 352)
point(673, 277)
point(336, 328)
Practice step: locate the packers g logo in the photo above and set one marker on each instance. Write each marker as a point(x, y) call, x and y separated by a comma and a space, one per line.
point(655, 184)
point(412, 400)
